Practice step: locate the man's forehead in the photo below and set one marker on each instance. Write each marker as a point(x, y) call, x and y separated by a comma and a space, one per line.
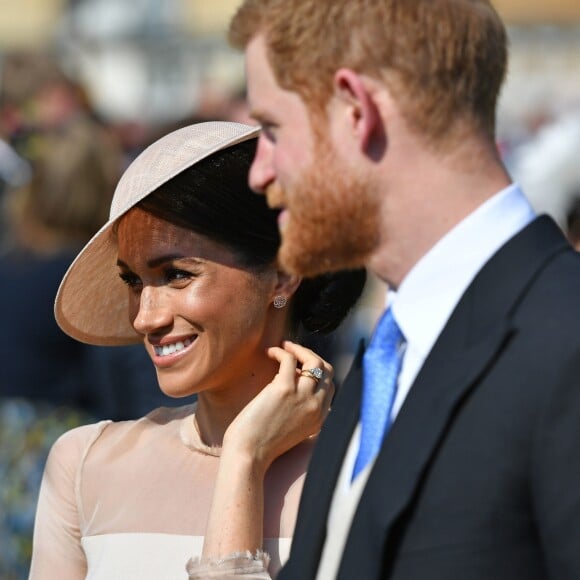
point(262, 89)
point(259, 74)
point(266, 98)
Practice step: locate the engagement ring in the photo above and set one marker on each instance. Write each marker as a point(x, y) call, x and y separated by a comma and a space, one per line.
point(315, 373)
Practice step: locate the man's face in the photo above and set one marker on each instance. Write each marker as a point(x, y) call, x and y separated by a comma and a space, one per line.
point(329, 218)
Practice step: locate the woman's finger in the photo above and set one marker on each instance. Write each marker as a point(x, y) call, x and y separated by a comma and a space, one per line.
point(308, 358)
point(315, 372)
point(306, 372)
point(287, 362)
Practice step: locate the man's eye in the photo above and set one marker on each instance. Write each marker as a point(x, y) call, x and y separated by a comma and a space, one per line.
point(268, 131)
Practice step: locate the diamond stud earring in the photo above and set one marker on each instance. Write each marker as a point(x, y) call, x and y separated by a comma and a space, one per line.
point(280, 301)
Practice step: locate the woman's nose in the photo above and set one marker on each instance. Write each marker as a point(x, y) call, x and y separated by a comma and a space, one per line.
point(154, 313)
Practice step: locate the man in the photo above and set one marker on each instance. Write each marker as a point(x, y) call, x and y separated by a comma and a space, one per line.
point(378, 144)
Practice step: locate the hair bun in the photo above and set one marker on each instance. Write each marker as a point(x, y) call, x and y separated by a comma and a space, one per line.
point(322, 303)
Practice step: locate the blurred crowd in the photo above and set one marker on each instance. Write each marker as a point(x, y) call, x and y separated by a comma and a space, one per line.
point(543, 157)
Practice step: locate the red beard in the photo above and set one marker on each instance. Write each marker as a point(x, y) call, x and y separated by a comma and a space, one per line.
point(333, 218)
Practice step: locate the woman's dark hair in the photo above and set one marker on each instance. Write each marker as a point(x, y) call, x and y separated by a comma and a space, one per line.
point(213, 199)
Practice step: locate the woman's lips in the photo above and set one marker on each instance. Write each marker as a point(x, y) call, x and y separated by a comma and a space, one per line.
point(172, 347)
point(167, 354)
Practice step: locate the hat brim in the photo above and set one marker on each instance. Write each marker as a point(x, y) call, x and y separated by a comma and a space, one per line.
point(92, 302)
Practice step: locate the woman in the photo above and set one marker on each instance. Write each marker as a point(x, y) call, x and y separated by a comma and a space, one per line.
point(217, 482)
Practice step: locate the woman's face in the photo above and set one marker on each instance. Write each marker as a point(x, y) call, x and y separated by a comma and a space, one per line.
point(205, 320)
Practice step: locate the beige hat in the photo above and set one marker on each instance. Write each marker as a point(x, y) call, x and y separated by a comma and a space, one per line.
point(92, 302)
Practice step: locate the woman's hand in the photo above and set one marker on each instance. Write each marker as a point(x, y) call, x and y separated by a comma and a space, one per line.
point(287, 411)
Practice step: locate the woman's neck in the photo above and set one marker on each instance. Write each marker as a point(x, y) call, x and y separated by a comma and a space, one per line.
point(218, 407)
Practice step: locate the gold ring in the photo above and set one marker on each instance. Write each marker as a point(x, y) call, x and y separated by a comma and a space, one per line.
point(315, 373)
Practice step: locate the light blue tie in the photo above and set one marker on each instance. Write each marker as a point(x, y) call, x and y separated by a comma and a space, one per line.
point(381, 366)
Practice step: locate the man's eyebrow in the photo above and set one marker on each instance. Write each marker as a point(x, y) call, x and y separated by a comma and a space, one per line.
point(255, 114)
point(259, 115)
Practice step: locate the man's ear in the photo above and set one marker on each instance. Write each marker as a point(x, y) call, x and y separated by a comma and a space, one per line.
point(364, 115)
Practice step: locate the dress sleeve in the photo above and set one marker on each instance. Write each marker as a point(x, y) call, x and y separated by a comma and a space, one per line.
point(57, 551)
point(252, 566)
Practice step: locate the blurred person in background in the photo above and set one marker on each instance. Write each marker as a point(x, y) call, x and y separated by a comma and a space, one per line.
point(14, 172)
point(547, 166)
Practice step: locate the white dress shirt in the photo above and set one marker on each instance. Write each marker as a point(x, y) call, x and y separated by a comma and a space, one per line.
point(422, 305)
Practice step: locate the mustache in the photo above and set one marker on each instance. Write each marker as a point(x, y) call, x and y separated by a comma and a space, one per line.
point(275, 196)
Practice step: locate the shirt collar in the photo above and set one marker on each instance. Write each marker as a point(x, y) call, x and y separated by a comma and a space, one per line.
point(431, 290)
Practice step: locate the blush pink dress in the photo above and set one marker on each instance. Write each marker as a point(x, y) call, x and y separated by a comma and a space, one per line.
point(130, 500)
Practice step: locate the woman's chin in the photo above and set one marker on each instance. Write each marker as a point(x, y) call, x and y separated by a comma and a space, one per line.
point(176, 391)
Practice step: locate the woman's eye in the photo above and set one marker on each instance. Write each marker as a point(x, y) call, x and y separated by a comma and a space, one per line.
point(174, 274)
point(130, 280)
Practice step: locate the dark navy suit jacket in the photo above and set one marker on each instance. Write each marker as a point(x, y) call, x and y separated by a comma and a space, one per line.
point(479, 477)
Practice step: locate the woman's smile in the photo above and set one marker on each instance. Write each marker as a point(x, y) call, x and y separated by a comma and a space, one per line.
point(171, 347)
point(166, 354)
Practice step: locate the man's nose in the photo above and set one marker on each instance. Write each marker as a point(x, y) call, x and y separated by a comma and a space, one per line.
point(262, 170)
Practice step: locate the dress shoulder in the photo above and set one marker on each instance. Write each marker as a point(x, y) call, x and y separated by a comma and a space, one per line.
point(158, 417)
point(72, 446)
point(57, 551)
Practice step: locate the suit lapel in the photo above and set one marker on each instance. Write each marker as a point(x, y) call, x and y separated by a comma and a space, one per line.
point(445, 380)
point(476, 333)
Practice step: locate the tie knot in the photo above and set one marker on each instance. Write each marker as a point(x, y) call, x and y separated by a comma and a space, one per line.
point(387, 334)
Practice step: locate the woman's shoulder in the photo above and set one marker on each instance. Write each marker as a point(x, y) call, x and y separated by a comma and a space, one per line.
point(79, 437)
point(77, 442)
point(69, 450)
point(154, 431)
point(159, 420)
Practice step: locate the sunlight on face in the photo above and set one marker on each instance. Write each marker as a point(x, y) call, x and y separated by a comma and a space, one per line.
point(204, 319)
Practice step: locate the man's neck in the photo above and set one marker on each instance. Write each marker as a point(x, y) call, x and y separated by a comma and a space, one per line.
point(426, 198)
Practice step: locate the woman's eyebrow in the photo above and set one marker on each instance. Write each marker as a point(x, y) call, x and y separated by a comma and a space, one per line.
point(159, 261)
